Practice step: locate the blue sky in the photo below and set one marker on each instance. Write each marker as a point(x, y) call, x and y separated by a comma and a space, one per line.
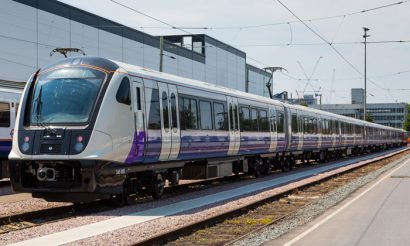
point(291, 45)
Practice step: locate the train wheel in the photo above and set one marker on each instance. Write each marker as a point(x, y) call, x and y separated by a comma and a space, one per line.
point(286, 164)
point(129, 194)
point(157, 186)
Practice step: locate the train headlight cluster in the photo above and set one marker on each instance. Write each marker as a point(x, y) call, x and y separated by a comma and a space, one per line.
point(79, 145)
point(26, 144)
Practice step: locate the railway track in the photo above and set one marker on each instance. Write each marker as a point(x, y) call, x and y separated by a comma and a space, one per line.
point(232, 226)
point(29, 219)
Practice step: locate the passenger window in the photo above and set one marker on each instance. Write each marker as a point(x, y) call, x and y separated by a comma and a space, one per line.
point(4, 114)
point(220, 117)
point(272, 120)
point(165, 110)
point(231, 116)
point(206, 115)
point(294, 123)
point(263, 121)
point(254, 120)
point(154, 118)
point(188, 113)
point(244, 119)
point(123, 93)
point(235, 113)
point(174, 111)
point(281, 124)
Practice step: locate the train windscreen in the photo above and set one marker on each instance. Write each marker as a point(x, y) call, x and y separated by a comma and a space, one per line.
point(65, 96)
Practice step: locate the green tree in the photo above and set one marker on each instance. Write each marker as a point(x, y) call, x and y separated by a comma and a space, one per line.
point(369, 117)
point(406, 125)
point(303, 103)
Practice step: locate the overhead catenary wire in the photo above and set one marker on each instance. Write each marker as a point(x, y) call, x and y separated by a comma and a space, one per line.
point(330, 44)
point(287, 22)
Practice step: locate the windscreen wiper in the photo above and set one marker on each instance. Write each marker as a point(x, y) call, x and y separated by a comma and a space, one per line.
point(39, 107)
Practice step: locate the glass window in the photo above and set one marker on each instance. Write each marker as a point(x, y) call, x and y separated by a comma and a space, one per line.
point(263, 121)
point(281, 122)
point(235, 113)
point(154, 118)
point(193, 117)
point(4, 114)
point(174, 111)
point(305, 125)
point(165, 110)
point(294, 123)
point(138, 98)
point(254, 120)
point(188, 113)
point(206, 115)
point(123, 93)
point(272, 120)
point(244, 119)
point(66, 95)
point(220, 117)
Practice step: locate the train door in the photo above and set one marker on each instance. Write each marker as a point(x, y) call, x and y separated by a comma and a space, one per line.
point(319, 130)
point(234, 134)
point(273, 129)
point(137, 90)
point(170, 131)
point(300, 131)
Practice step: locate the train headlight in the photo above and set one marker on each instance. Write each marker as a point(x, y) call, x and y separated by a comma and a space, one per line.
point(26, 144)
point(79, 145)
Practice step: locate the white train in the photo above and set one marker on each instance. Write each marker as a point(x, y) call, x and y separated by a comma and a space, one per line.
point(92, 128)
point(9, 102)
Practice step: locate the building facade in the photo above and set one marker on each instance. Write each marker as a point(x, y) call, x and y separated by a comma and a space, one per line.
point(31, 29)
point(357, 95)
point(388, 114)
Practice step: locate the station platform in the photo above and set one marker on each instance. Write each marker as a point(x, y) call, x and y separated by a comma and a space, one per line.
point(376, 214)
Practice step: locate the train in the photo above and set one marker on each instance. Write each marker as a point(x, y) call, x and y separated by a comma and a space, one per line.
point(9, 103)
point(90, 128)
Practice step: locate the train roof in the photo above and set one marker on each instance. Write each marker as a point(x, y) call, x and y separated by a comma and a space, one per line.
point(137, 70)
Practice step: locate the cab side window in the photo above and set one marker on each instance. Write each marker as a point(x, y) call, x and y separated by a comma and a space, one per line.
point(123, 94)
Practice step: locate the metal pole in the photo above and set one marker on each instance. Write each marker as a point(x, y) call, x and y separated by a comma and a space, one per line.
point(161, 52)
point(365, 36)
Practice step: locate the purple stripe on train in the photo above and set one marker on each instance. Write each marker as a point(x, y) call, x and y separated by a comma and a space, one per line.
point(137, 148)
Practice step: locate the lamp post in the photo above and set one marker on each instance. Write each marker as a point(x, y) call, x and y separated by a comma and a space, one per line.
point(365, 36)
